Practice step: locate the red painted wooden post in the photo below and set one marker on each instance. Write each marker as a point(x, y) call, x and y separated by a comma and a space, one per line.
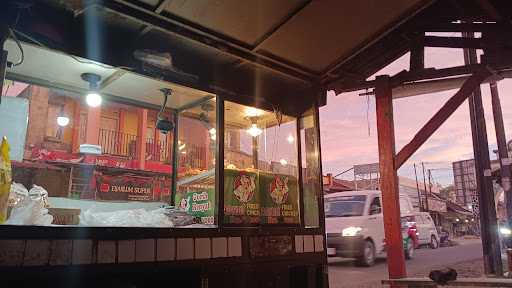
point(388, 178)
point(142, 115)
point(92, 130)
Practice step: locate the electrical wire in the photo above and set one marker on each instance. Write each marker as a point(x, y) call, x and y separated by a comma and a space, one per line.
point(22, 57)
point(166, 96)
point(35, 41)
point(7, 90)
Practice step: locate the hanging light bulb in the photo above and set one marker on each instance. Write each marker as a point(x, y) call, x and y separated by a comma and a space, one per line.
point(62, 121)
point(254, 131)
point(253, 112)
point(93, 99)
point(290, 139)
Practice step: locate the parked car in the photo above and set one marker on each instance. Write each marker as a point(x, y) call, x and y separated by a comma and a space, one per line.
point(355, 226)
point(426, 229)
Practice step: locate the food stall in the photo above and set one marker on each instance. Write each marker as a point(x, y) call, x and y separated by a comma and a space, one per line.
point(237, 202)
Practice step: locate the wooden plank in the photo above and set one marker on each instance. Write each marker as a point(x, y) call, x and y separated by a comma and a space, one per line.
point(417, 57)
point(465, 27)
point(469, 282)
point(487, 209)
point(501, 140)
point(388, 178)
point(440, 117)
point(452, 42)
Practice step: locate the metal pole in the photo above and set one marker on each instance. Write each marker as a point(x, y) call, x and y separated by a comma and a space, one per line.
point(488, 223)
point(425, 187)
point(4, 33)
point(418, 189)
point(175, 158)
point(501, 139)
point(429, 181)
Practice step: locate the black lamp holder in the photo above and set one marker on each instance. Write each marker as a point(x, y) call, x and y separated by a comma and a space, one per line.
point(92, 79)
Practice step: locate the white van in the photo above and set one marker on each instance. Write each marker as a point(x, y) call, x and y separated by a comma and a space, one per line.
point(355, 226)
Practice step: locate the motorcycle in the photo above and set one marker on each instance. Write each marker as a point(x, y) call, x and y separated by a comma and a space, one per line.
point(505, 236)
point(409, 238)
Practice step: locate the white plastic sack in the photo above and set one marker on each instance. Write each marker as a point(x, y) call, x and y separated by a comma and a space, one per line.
point(30, 209)
point(126, 218)
point(17, 194)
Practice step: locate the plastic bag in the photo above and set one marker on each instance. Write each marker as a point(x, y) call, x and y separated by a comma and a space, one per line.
point(31, 210)
point(38, 193)
point(126, 218)
point(18, 193)
point(5, 179)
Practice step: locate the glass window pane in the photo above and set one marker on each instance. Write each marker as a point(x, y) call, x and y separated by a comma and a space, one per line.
point(197, 134)
point(310, 169)
point(106, 165)
point(261, 169)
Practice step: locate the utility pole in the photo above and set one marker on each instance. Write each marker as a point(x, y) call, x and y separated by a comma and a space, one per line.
point(429, 182)
point(501, 139)
point(425, 187)
point(418, 189)
point(489, 228)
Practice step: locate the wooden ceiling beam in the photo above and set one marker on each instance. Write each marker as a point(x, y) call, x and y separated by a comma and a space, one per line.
point(441, 116)
point(223, 46)
point(464, 27)
point(452, 42)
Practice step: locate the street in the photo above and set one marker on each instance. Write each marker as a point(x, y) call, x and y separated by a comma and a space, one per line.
point(343, 273)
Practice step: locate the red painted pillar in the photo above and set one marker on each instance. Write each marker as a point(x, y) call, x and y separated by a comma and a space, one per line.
point(388, 178)
point(92, 130)
point(141, 136)
point(75, 140)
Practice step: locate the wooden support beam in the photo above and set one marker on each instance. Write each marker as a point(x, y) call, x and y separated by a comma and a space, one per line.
point(161, 6)
point(489, 8)
point(493, 265)
point(388, 178)
point(142, 124)
point(438, 119)
point(465, 27)
point(501, 139)
point(453, 42)
point(417, 58)
point(411, 76)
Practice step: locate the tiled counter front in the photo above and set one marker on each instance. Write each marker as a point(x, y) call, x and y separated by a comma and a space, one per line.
point(59, 252)
point(81, 252)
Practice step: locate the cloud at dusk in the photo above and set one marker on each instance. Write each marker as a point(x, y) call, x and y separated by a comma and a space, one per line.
point(348, 124)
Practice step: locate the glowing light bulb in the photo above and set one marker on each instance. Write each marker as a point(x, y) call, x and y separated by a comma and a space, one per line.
point(253, 112)
point(212, 131)
point(290, 139)
point(62, 121)
point(283, 162)
point(93, 99)
point(254, 131)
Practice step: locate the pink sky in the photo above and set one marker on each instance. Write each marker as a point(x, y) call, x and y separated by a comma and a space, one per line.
point(344, 126)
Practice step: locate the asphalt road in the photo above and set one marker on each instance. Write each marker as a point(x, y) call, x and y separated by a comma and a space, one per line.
point(344, 273)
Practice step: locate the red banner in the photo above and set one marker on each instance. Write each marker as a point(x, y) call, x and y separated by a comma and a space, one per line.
point(125, 187)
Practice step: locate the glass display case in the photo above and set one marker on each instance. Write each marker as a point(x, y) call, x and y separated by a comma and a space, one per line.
point(126, 169)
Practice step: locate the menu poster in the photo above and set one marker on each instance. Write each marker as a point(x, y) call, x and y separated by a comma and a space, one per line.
point(260, 198)
point(198, 203)
point(241, 197)
point(279, 199)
